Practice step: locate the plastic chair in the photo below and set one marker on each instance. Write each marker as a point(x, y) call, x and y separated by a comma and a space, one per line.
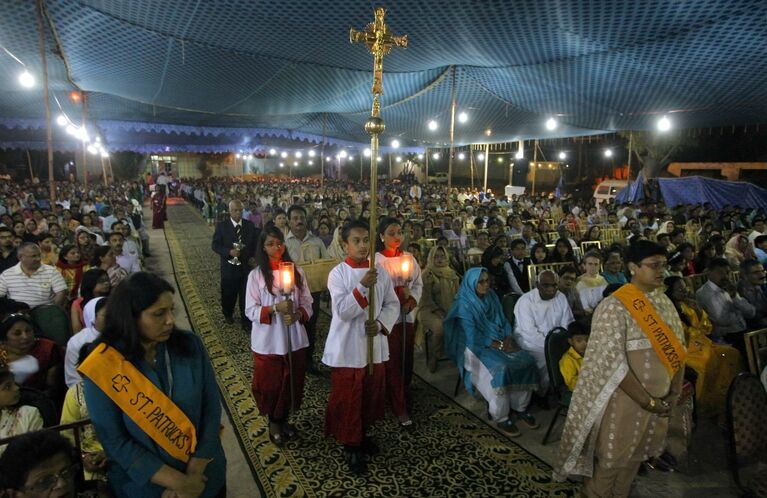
point(746, 420)
point(52, 322)
point(555, 347)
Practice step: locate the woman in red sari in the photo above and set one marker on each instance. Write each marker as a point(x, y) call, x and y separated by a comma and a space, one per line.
point(159, 214)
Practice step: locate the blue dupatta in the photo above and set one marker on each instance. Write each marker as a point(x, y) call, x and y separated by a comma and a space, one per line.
point(475, 323)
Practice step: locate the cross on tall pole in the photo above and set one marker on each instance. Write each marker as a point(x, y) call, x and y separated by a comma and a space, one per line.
point(379, 42)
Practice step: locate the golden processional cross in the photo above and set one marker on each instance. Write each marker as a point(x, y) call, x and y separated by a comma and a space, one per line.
point(379, 42)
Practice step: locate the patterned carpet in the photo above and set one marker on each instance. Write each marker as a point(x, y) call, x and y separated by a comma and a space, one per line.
point(452, 453)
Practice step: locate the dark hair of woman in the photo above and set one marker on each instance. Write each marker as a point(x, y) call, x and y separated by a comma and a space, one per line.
point(11, 320)
point(539, 245)
point(383, 224)
point(262, 259)
point(555, 257)
point(124, 307)
point(64, 251)
point(99, 253)
point(28, 451)
point(670, 282)
point(643, 249)
point(589, 233)
point(89, 282)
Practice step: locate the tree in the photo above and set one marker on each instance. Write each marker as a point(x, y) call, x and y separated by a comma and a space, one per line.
point(655, 150)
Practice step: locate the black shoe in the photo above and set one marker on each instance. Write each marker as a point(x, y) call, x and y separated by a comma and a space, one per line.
point(369, 447)
point(229, 320)
point(356, 462)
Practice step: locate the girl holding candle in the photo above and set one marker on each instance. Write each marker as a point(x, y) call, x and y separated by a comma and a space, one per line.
point(277, 304)
point(406, 278)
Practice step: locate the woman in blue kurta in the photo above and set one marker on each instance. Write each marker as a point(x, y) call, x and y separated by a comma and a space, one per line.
point(140, 326)
point(479, 339)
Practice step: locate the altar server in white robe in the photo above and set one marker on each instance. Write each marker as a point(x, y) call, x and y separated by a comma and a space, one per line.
point(274, 316)
point(408, 289)
point(357, 397)
point(535, 315)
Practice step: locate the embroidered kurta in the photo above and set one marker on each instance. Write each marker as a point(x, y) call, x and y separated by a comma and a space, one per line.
point(346, 345)
point(602, 420)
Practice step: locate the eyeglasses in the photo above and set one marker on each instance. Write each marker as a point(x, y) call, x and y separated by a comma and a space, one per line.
point(48, 482)
point(658, 265)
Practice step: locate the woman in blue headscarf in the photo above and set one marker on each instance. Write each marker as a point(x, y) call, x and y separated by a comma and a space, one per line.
point(479, 339)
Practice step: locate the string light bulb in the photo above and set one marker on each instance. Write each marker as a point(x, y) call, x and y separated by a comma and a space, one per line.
point(664, 124)
point(433, 125)
point(26, 79)
point(463, 117)
point(551, 124)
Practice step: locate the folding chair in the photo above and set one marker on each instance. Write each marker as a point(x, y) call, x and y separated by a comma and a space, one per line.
point(555, 347)
point(746, 420)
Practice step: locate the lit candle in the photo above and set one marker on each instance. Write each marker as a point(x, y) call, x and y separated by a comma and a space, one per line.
point(405, 267)
point(286, 277)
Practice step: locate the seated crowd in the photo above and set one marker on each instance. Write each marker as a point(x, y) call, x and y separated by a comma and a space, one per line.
point(495, 277)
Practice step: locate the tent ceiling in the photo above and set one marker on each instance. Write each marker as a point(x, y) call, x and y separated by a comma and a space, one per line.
point(287, 69)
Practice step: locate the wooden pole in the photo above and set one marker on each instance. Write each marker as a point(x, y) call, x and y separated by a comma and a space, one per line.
point(631, 143)
point(426, 163)
point(29, 163)
point(46, 99)
point(487, 160)
point(452, 142)
point(85, 144)
point(322, 149)
point(535, 162)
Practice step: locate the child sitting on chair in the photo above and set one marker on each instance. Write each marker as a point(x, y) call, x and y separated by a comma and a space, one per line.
point(571, 361)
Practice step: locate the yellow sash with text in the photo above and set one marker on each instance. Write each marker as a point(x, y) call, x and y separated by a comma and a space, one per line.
point(663, 340)
point(145, 404)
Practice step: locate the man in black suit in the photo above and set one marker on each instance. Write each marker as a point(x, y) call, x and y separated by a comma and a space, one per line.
point(516, 267)
point(235, 277)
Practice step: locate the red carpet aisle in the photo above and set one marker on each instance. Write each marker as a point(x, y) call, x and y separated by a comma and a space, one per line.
point(452, 454)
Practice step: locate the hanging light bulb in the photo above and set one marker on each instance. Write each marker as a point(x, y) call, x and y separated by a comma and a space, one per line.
point(272, 152)
point(312, 153)
point(608, 153)
point(395, 144)
point(562, 156)
point(433, 125)
point(551, 124)
point(463, 117)
point(282, 165)
point(420, 156)
point(461, 156)
point(238, 155)
point(664, 124)
point(299, 154)
point(61, 120)
point(435, 156)
point(283, 154)
point(398, 159)
point(343, 154)
point(480, 157)
point(520, 154)
point(26, 79)
point(310, 162)
point(366, 152)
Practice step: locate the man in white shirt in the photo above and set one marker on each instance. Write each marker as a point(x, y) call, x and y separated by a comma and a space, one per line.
point(758, 229)
point(31, 282)
point(536, 314)
point(304, 246)
point(129, 263)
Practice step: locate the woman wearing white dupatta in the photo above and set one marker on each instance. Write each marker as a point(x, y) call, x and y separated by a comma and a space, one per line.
point(631, 378)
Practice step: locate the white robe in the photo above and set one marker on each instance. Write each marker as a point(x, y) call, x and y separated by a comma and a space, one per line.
point(346, 345)
point(392, 267)
point(271, 338)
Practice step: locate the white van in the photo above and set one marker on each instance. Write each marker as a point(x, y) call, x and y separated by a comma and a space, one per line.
point(608, 189)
